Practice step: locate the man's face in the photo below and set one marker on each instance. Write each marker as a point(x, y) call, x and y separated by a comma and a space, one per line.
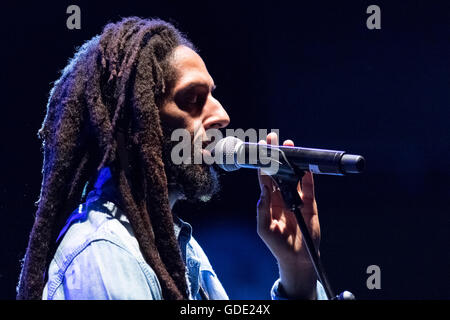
point(191, 106)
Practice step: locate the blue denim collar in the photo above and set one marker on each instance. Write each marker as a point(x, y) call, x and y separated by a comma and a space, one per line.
point(105, 188)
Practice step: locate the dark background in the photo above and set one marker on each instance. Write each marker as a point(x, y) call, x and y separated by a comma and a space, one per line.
point(312, 70)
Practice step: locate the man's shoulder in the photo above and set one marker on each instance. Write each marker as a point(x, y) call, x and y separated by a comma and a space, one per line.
point(98, 221)
point(99, 250)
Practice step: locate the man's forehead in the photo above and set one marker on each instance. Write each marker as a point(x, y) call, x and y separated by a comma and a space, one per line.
point(190, 67)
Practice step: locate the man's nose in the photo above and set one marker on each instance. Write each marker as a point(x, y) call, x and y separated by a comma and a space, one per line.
point(215, 115)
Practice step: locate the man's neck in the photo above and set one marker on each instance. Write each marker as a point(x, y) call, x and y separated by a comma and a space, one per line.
point(173, 197)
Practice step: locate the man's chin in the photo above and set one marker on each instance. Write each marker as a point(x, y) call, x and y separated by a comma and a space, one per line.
point(194, 182)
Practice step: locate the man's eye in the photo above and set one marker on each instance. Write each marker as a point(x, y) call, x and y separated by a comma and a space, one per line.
point(197, 99)
point(192, 99)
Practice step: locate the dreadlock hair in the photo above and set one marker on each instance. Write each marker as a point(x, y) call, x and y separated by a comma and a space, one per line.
point(106, 101)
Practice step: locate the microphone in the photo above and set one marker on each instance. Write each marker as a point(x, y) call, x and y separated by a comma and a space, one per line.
point(232, 154)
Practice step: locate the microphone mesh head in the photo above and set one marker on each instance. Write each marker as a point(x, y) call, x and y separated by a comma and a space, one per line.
point(225, 153)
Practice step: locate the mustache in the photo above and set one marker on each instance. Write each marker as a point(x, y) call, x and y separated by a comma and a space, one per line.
point(202, 143)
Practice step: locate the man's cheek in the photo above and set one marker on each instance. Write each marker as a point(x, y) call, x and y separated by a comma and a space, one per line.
point(198, 132)
point(172, 117)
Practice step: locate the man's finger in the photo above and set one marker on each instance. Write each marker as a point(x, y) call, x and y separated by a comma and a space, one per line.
point(272, 138)
point(263, 217)
point(307, 189)
point(264, 179)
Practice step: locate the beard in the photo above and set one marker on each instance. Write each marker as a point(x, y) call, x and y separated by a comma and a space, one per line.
point(191, 182)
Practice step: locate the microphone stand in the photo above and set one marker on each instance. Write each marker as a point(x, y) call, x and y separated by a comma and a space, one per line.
point(287, 178)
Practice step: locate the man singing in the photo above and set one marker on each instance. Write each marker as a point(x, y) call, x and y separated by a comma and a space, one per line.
point(106, 142)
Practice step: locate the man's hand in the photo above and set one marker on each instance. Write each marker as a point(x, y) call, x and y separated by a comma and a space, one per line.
point(278, 228)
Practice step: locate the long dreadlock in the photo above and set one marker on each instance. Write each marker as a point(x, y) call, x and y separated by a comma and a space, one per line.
point(106, 101)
